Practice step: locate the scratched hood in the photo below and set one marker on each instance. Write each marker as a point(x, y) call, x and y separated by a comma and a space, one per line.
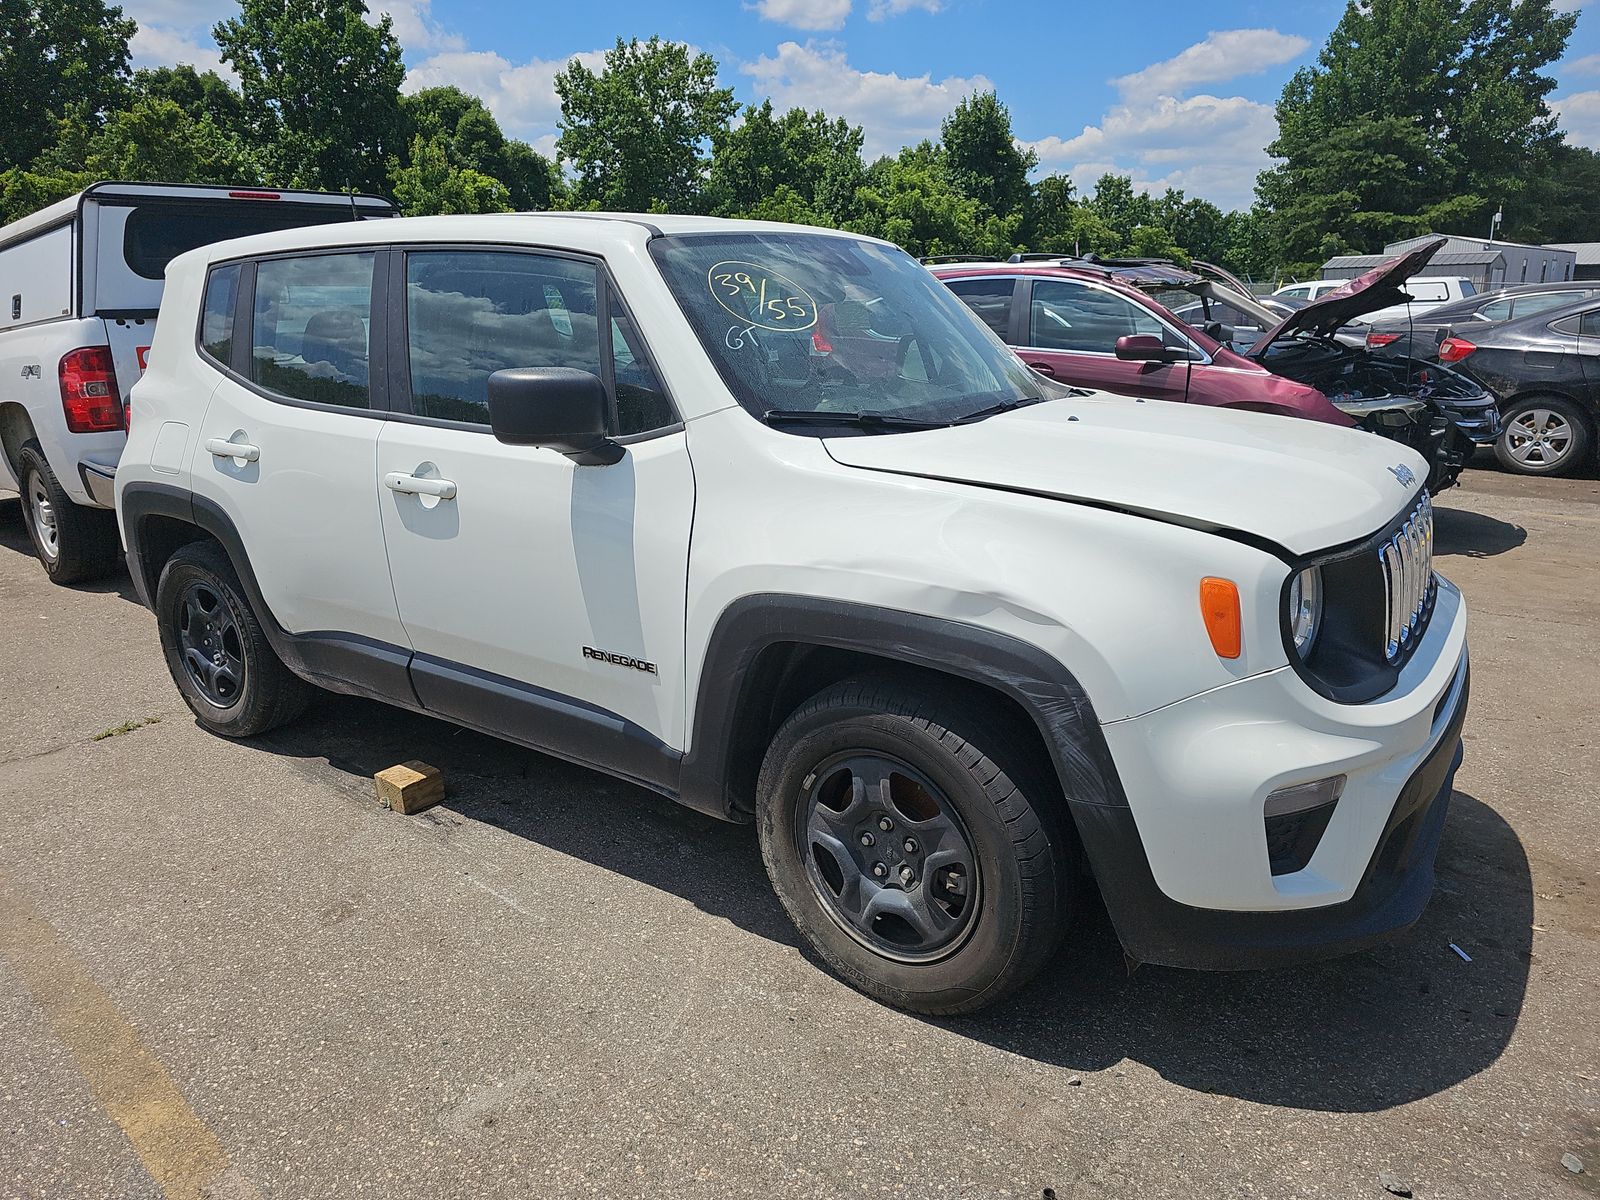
point(1302, 485)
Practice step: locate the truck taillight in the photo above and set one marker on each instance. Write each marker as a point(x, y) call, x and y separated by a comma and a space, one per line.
point(89, 391)
point(1454, 349)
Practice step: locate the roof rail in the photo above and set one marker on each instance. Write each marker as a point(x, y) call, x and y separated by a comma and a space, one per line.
point(934, 260)
point(1033, 257)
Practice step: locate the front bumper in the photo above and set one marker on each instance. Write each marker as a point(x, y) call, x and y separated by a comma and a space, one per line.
point(1185, 865)
point(1479, 420)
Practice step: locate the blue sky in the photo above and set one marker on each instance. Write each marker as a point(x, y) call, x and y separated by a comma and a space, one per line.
point(1169, 94)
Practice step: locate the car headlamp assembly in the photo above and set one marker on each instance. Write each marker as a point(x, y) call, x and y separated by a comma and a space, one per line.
point(1304, 610)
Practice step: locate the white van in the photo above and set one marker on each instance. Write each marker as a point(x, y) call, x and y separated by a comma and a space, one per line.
point(80, 283)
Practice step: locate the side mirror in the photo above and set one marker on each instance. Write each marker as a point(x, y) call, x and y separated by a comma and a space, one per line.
point(1144, 347)
point(559, 407)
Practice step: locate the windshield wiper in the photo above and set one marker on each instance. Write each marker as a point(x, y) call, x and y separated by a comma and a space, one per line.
point(1004, 406)
point(868, 420)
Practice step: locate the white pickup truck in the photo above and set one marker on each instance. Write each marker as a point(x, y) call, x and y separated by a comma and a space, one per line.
point(80, 283)
point(1427, 293)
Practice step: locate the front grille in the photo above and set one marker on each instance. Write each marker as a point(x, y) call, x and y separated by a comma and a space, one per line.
point(1406, 560)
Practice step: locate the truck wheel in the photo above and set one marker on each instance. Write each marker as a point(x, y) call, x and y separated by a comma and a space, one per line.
point(1544, 435)
point(219, 657)
point(915, 844)
point(73, 542)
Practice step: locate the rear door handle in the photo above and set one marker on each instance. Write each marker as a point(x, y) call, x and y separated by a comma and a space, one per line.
point(222, 448)
point(416, 485)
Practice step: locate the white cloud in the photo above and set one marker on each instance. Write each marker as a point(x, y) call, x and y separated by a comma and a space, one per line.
point(1221, 56)
point(804, 14)
point(415, 27)
point(894, 110)
point(156, 46)
point(1579, 115)
point(522, 96)
point(1161, 136)
point(1589, 64)
point(882, 9)
point(1210, 146)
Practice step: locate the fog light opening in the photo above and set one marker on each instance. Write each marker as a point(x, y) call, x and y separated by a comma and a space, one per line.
point(1295, 818)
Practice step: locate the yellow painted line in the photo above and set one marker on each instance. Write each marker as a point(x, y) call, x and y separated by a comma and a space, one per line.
point(180, 1152)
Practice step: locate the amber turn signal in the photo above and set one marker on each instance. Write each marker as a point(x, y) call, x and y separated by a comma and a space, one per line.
point(1219, 608)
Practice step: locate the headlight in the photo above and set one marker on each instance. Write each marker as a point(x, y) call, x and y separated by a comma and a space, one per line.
point(1305, 610)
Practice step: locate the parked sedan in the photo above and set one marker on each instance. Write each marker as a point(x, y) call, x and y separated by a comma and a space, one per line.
point(1423, 336)
point(1546, 370)
point(1102, 324)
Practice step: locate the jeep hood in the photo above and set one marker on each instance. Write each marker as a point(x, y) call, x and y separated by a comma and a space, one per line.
point(1301, 485)
point(1378, 288)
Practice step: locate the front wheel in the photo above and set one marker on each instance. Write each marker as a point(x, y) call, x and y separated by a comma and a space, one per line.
point(1544, 435)
point(916, 843)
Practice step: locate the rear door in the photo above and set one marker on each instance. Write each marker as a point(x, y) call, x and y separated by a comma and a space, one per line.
point(288, 445)
point(993, 299)
point(1070, 333)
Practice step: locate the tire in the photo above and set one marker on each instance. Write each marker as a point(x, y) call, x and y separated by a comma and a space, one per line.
point(1544, 435)
point(219, 656)
point(73, 542)
point(1003, 913)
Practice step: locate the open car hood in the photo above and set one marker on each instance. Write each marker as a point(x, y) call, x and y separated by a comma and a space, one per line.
point(1378, 288)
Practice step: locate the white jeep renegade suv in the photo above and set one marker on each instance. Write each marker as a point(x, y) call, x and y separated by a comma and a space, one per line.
point(763, 518)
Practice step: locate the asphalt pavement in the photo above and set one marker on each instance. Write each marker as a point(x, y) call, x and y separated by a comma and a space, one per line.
point(224, 971)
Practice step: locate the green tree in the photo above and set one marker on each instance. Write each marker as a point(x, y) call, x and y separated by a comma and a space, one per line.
point(198, 93)
point(54, 54)
point(1447, 94)
point(429, 183)
point(1060, 223)
point(911, 200)
point(982, 155)
point(636, 132)
point(1561, 202)
point(154, 139)
point(471, 140)
point(815, 162)
point(321, 88)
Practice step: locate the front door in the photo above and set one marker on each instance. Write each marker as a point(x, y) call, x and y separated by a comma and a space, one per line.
point(1071, 335)
point(544, 600)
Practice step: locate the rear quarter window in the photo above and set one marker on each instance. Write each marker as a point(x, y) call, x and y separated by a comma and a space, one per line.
point(216, 317)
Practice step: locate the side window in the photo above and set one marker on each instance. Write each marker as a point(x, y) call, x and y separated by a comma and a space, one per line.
point(1498, 310)
point(1296, 293)
point(311, 327)
point(216, 317)
point(1070, 316)
point(470, 313)
point(642, 403)
point(990, 299)
point(1421, 289)
point(1591, 324)
point(1526, 306)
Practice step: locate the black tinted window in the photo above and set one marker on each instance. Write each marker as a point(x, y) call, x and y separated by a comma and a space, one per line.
point(216, 321)
point(471, 313)
point(642, 405)
point(1591, 324)
point(311, 327)
point(990, 299)
point(157, 233)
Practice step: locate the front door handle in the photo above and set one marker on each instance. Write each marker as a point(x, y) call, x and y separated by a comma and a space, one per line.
point(222, 448)
point(1043, 368)
point(417, 485)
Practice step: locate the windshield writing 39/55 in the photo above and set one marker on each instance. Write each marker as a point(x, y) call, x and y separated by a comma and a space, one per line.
point(800, 322)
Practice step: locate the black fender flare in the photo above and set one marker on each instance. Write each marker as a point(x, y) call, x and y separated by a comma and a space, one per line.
point(1045, 689)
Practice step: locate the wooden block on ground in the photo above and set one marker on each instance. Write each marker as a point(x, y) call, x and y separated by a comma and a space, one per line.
point(410, 787)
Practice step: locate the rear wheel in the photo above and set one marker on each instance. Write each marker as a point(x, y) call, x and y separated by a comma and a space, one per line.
point(74, 543)
point(1544, 435)
point(219, 656)
point(916, 844)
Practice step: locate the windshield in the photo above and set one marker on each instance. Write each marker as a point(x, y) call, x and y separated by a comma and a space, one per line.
point(802, 323)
